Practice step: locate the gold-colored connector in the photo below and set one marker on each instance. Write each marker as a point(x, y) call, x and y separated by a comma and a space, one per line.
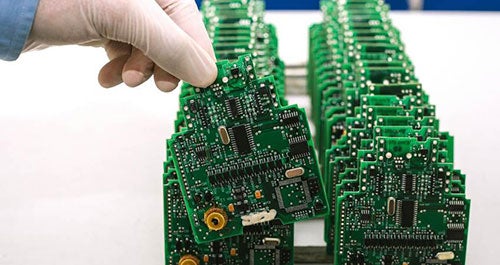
point(215, 219)
point(189, 260)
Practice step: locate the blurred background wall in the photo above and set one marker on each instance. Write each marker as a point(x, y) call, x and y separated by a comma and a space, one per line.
point(452, 5)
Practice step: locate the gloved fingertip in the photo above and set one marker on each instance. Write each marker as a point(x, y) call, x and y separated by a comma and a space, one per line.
point(110, 74)
point(108, 82)
point(133, 78)
point(207, 76)
point(166, 86)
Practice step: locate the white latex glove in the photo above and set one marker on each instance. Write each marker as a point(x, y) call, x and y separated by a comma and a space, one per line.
point(141, 37)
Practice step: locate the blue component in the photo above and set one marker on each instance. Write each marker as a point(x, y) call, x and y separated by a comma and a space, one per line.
point(314, 4)
point(472, 5)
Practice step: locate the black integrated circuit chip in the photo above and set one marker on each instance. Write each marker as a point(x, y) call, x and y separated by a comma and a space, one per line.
point(407, 213)
point(201, 153)
point(387, 260)
point(242, 139)
point(290, 118)
point(233, 106)
point(457, 206)
point(300, 148)
point(365, 216)
point(408, 183)
point(235, 72)
point(455, 232)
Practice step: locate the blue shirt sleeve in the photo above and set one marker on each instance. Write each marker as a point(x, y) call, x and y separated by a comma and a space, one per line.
point(16, 19)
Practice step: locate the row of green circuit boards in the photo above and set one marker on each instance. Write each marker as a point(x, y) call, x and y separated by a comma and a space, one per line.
point(395, 197)
point(241, 167)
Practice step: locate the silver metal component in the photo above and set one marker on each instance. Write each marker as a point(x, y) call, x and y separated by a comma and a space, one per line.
point(224, 135)
point(271, 241)
point(294, 172)
point(445, 255)
point(391, 206)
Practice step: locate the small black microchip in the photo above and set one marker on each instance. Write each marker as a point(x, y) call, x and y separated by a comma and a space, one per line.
point(233, 107)
point(253, 229)
point(242, 139)
point(457, 206)
point(201, 153)
point(235, 71)
point(455, 234)
point(407, 213)
point(299, 148)
point(290, 118)
point(365, 216)
point(408, 183)
point(264, 91)
point(193, 106)
point(244, 207)
point(387, 260)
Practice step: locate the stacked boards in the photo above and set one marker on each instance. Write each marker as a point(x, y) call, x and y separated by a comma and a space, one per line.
point(395, 196)
point(241, 167)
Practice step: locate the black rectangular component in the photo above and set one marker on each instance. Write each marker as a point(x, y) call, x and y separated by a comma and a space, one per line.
point(457, 206)
point(407, 213)
point(408, 183)
point(201, 153)
point(299, 149)
point(455, 234)
point(263, 91)
point(387, 260)
point(233, 107)
point(291, 120)
point(365, 216)
point(235, 71)
point(241, 139)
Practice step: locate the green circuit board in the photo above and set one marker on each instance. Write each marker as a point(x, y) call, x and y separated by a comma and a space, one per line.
point(244, 158)
point(268, 243)
point(388, 169)
point(239, 34)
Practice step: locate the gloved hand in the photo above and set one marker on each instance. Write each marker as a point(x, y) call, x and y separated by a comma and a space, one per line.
point(141, 37)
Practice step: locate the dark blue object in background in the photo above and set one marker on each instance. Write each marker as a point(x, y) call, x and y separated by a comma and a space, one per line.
point(398, 4)
point(475, 5)
point(314, 4)
point(292, 4)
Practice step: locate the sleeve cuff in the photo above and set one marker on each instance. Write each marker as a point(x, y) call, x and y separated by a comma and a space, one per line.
point(16, 20)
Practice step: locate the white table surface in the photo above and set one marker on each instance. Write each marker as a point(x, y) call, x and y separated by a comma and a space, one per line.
point(81, 166)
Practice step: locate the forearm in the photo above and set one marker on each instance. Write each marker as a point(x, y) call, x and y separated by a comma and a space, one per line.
point(16, 20)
